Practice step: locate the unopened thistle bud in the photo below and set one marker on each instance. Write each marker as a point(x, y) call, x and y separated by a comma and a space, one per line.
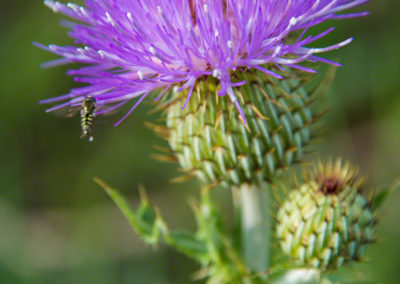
point(326, 221)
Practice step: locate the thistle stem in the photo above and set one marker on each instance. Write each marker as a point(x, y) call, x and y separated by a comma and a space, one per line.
point(255, 226)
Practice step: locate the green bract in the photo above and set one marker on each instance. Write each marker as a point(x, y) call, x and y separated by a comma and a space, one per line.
point(211, 141)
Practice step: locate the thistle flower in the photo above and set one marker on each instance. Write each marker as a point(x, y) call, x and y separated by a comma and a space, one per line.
point(134, 47)
point(327, 221)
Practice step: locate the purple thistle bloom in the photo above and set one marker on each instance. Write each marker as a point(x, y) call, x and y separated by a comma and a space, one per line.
point(132, 47)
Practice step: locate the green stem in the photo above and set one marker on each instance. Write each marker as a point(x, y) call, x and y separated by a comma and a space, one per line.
point(255, 225)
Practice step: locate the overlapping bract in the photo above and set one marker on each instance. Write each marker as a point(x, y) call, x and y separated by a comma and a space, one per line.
point(132, 47)
point(212, 143)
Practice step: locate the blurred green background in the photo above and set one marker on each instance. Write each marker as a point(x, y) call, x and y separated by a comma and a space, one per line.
point(58, 226)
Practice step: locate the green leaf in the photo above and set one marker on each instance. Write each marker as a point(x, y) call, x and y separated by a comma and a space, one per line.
point(209, 245)
point(148, 224)
point(189, 245)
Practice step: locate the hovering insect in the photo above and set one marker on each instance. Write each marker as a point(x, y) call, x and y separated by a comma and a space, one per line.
point(87, 110)
point(86, 116)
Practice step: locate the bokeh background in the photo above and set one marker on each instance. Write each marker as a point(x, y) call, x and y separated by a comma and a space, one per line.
point(58, 226)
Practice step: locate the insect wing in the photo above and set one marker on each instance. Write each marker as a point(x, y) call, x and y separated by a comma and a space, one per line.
point(66, 112)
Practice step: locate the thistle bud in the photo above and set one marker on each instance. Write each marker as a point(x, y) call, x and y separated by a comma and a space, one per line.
point(326, 221)
point(211, 140)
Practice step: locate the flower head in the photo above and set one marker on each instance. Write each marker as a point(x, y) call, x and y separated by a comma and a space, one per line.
point(133, 47)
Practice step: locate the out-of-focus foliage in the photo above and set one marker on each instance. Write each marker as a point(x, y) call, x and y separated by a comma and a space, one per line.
point(57, 226)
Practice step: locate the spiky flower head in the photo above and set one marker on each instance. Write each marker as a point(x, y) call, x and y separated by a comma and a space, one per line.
point(327, 221)
point(133, 47)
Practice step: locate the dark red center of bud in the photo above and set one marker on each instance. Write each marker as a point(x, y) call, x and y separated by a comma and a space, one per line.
point(330, 185)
